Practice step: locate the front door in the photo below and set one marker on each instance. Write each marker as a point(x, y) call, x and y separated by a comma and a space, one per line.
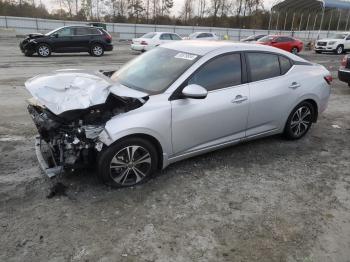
point(219, 118)
point(64, 41)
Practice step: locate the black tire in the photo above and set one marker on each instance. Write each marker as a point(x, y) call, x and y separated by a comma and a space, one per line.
point(97, 50)
point(339, 50)
point(118, 175)
point(294, 50)
point(28, 53)
point(304, 122)
point(43, 50)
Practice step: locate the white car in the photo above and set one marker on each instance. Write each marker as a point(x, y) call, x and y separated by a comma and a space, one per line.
point(203, 36)
point(338, 44)
point(152, 40)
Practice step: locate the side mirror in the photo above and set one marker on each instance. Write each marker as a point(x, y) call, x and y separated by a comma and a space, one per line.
point(54, 35)
point(273, 42)
point(195, 91)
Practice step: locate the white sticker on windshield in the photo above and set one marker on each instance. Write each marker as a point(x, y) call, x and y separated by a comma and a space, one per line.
point(186, 56)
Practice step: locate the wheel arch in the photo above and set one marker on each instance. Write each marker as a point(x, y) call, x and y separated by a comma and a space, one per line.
point(154, 141)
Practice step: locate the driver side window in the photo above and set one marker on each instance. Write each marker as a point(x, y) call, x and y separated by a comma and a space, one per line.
point(221, 72)
point(65, 32)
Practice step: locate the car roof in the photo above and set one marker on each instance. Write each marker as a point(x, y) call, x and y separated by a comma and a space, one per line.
point(202, 47)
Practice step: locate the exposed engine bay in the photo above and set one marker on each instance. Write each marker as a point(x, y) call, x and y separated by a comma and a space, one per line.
point(69, 140)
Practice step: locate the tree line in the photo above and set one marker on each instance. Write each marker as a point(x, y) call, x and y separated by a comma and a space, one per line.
point(218, 13)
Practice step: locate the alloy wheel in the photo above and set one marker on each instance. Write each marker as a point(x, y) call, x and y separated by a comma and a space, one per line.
point(97, 50)
point(339, 50)
point(130, 165)
point(301, 121)
point(44, 50)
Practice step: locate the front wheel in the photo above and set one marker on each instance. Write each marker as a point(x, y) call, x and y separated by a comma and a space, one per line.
point(28, 53)
point(127, 163)
point(97, 50)
point(295, 50)
point(339, 50)
point(43, 50)
point(300, 121)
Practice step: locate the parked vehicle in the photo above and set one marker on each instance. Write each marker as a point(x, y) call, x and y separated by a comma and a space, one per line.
point(68, 39)
point(286, 43)
point(339, 43)
point(253, 38)
point(344, 70)
point(203, 36)
point(176, 101)
point(152, 40)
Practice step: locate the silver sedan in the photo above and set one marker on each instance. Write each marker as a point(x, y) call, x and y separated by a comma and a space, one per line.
point(174, 102)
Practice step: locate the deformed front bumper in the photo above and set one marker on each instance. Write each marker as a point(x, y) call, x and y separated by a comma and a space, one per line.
point(49, 170)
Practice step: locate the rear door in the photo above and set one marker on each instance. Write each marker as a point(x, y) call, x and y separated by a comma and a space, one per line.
point(219, 118)
point(82, 38)
point(165, 38)
point(273, 91)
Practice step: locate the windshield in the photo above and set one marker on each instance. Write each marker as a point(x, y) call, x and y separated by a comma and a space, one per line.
point(154, 71)
point(53, 31)
point(339, 36)
point(148, 35)
point(266, 39)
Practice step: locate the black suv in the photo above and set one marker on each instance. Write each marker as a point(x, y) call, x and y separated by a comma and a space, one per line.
point(68, 39)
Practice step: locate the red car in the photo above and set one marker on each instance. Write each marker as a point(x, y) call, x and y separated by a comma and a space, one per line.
point(286, 43)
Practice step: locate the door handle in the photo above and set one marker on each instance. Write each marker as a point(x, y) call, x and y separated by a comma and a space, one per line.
point(239, 99)
point(294, 85)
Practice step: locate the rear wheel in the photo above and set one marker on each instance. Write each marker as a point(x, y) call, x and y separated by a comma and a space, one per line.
point(43, 50)
point(300, 121)
point(97, 50)
point(130, 162)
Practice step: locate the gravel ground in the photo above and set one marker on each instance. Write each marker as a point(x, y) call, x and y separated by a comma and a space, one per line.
point(266, 200)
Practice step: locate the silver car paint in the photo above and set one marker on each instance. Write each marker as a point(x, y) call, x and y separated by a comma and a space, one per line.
point(189, 127)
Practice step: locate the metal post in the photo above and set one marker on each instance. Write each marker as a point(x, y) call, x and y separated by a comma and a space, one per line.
point(285, 22)
point(319, 31)
point(301, 20)
point(278, 18)
point(268, 30)
point(292, 22)
point(339, 20)
point(347, 21)
point(6, 21)
point(330, 22)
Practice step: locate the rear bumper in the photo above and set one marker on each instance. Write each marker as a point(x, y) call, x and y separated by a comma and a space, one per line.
point(50, 171)
point(344, 75)
point(109, 47)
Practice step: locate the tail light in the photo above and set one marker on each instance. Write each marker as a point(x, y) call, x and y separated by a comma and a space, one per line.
point(108, 37)
point(328, 79)
point(144, 43)
point(344, 61)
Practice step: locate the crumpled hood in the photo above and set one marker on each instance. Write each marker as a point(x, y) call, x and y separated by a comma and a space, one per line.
point(65, 90)
point(35, 35)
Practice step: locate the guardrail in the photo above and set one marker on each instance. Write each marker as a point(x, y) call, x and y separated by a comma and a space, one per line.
point(24, 25)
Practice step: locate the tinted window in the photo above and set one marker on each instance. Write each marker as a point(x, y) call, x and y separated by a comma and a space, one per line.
point(81, 31)
point(175, 37)
point(285, 64)
point(224, 71)
point(165, 37)
point(94, 31)
point(202, 35)
point(263, 66)
point(67, 31)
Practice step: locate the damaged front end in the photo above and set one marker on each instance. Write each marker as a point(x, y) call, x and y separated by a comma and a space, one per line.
point(69, 127)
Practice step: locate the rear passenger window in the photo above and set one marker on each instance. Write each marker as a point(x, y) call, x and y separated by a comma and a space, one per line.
point(165, 37)
point(94, 31)
point(285, 64)
point(221, 72)
point(81, 31)
point(175, 37)
point(263, 66)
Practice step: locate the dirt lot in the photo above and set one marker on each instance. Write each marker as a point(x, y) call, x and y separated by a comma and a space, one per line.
point(266, 200)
